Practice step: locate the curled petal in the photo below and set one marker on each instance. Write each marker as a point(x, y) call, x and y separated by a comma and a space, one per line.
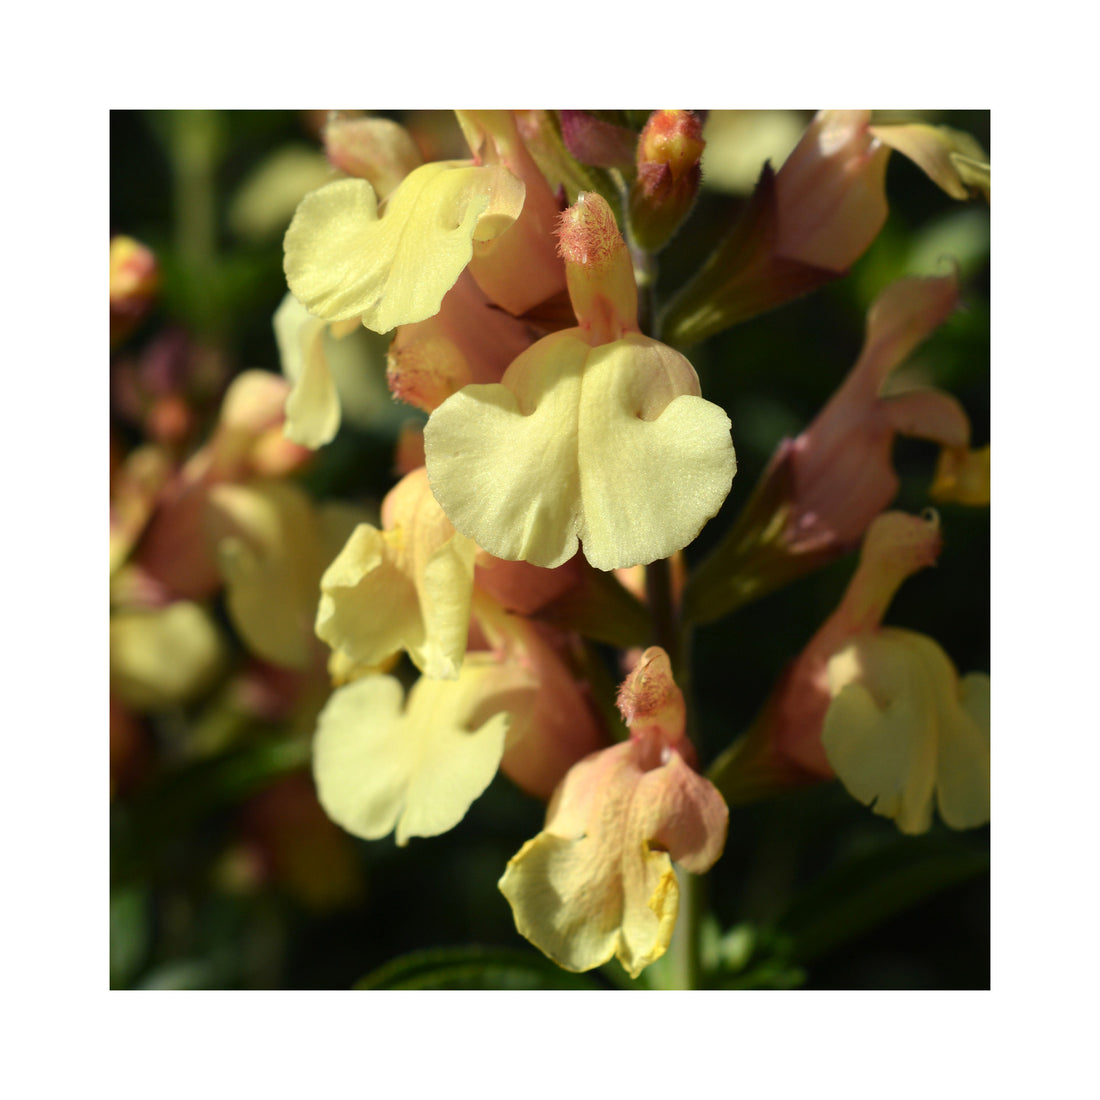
point(952, 159)
point(609, 445)
point(407, 587)
point(344, 259)
point(598, 881)
point(313, 406)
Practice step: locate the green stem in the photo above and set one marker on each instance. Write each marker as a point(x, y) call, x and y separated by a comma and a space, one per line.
point(195, 151)
point(683, 951)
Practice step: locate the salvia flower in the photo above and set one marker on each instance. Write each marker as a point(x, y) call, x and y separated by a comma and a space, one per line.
point(878, 707)
point(595, 434)
point(598, 881)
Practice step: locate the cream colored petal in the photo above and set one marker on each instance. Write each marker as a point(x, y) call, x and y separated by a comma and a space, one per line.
point(269, 554)
point(368, 608)
point(408, 587)
point(343, 259)
point(610, 445)
point(962, 774)
point(504, 468)
point(566, 898)
point(651, 902)
point(360, 783)
point(416, 771)
point(595, 883)
point(952, 159)
point(313, 405)
point(582, 902)
point(445, 589)
point(963, 476)
point(896, 731)
point(165, 656)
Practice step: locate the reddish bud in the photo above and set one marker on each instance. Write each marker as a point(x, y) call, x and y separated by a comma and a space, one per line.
point(668, 162)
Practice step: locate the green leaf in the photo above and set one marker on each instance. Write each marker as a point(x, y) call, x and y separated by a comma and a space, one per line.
point(473, 968)
point(854, 898)
point(129, 935)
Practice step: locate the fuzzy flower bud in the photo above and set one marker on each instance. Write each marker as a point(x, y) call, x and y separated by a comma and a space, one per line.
point(668, 160)
point(598, 270)
point(134, 282)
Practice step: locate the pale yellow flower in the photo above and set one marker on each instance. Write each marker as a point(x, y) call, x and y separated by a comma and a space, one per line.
point(162, 657)
point(414, 767)
point(598, 881)
point(272, 545)
point(313, 404)
point(596, 435)
point(405, 587)
point(903, 731)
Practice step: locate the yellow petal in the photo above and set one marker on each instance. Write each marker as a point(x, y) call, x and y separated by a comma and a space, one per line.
point(900, 730)
point(313, 406)
point(344, 259)
point(414, 770)
point(962, 476)
point(164, 656)
point(271, 552)
point(598, 881)
point(408, 587)
point(952, 159)
point(610, 445)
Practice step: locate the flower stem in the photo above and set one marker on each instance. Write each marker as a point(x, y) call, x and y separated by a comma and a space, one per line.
point(684, 949)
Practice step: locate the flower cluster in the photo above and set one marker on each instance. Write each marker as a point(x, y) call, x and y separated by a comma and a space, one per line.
point(530, 555)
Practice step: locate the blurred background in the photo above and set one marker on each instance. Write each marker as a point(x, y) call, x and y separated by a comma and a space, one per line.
point(225, 873)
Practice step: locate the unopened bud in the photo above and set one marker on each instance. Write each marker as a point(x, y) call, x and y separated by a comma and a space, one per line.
point(134, 281)
point(669, 151)
point(598, 269)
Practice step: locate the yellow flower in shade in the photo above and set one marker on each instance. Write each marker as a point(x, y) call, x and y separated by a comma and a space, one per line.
point(903, 730)
point(962, 476)
point(598, 881)
point(272, 546)
point(345, 259)
point(247, 444)
point(880, 708)
point(595, 434)
point(405, 587)
point(162, 657)
point(382, 764)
